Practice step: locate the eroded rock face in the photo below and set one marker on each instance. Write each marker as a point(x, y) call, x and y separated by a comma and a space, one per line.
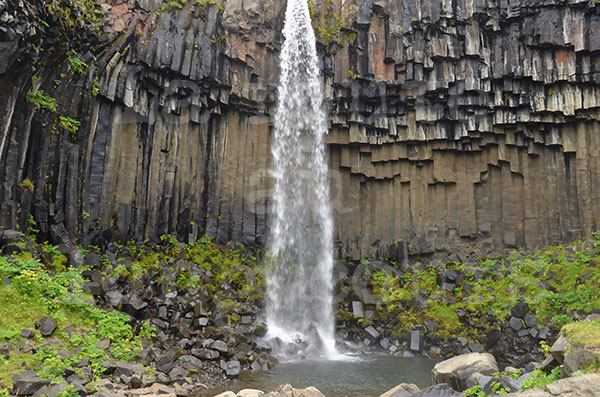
point(451, 123)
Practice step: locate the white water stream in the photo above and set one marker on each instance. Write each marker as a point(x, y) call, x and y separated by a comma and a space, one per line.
point(299, 274)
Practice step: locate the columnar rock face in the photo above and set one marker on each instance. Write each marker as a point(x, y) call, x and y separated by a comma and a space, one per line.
point(451, 123)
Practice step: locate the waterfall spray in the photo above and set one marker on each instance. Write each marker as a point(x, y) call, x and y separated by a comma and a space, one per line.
point(299, 274)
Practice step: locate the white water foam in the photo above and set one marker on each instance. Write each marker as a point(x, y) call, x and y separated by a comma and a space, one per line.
point(299, 273)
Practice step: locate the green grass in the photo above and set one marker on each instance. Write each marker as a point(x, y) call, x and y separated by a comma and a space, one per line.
point(35, 291)
point(584, 333)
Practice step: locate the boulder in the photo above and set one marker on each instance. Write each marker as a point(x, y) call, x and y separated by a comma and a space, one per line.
point(153, 390)
point(462, 372)
point(559, 349)
point(357, 309)
point(579, 358)
point(250, 393)
point(226, 394)
point(26, 333)
point(520, 310)
point(128, 369)
point(114, 298)
point(578, 386)
point(402, 390)
point(515, 323)
point(289, 391)
point(415, 340)
point(27, 383)
point(220, 346)
point(233, 368)
point(441, 390)
point(372, 333)
point(47, 326)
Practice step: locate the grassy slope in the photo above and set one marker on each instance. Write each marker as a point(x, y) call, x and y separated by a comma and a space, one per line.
point(557, 283)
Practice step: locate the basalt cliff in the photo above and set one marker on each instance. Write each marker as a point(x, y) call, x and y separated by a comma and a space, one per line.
point(452, 123)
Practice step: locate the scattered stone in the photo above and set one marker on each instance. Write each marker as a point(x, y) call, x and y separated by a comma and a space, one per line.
point(544, 333)
point(475, 347)
point(357, 309)
point(47, 326)
point(165, 363)
point(26, 333)
point(415, 340)
point(520, 310)
point(233, 368)
point(220, 346)
point(114, 298)
point(515, 323)
point(104, 344)
point(92, 287)
point(530, 320)
point(372, 333)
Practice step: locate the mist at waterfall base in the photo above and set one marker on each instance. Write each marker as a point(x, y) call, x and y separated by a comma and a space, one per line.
point(299, 310)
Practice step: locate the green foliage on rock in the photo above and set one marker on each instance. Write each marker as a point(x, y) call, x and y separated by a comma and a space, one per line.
point(70, 125)
point(328, 28)
point(555, 282)
point(41, 100)
point(75, 14)
point(475, 391)
point(540, 378)
point(171, 5)
point(27, 184)
point(75, 63)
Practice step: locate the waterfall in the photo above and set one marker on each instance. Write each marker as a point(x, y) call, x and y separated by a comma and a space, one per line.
point(299, 272)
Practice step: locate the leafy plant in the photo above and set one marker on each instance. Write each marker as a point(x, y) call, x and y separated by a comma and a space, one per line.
point(75, 63)
point(475, 391)
point(539, 378)
point(96, 87)
point(69, 391)
point(41, 100)
point(545, 347)
point(70, 125)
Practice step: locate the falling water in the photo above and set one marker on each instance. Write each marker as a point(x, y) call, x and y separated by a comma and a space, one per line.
point(299, 306)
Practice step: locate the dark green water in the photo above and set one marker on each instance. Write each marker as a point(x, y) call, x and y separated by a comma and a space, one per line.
point(364, 377)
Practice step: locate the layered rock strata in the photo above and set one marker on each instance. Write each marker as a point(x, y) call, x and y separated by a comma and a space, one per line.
point(452, 123)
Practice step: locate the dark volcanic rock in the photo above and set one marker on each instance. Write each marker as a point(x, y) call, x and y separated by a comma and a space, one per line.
point(520, 310)
point(430, 91)
point(47, 326)
point(441, 390)
point(27, 383)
